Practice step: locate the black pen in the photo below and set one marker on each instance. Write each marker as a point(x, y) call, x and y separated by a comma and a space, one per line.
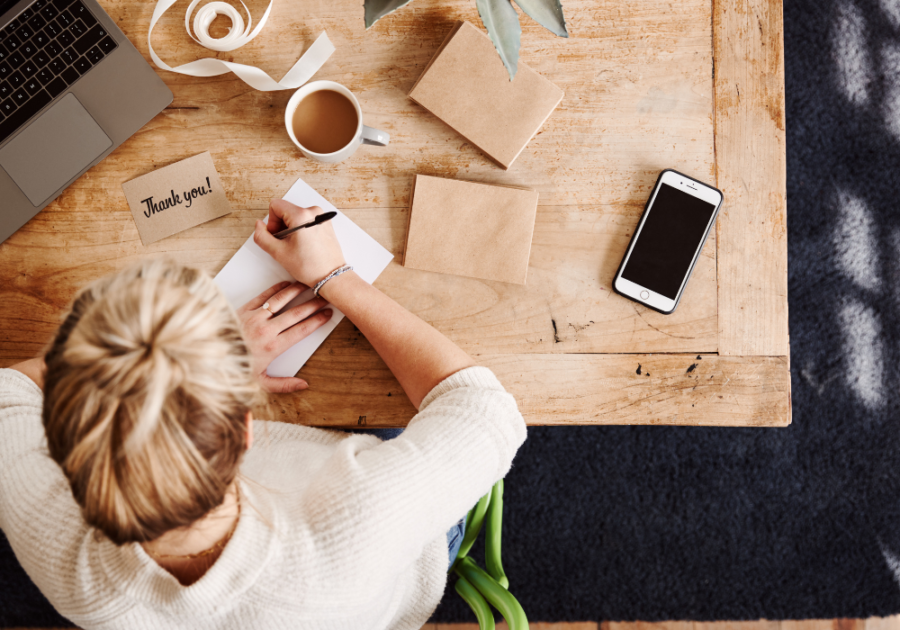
point(322, 218)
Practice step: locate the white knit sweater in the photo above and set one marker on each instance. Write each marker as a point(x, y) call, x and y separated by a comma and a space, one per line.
point(343, 532)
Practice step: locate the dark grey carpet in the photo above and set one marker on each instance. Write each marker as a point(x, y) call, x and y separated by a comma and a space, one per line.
point(651, 523)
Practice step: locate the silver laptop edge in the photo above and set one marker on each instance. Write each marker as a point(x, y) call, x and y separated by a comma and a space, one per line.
point(121, 94)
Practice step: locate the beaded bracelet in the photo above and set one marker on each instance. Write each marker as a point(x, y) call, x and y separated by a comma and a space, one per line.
point(333, 274)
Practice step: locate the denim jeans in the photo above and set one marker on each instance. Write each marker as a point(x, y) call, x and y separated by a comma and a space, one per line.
point(454, 539)
point(454, 534)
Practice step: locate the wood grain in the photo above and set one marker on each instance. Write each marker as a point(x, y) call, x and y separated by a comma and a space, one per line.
point(502, 625)
point(750, 170)
point(638, 98)
point(881, 623)
point(566, 306)
point(873, 623)
point(555, 389)
point(637, 83)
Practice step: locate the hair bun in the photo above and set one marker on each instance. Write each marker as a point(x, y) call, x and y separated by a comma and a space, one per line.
point(148, 387)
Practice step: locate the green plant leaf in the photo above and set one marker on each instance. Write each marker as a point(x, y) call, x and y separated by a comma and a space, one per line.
point(547, 13)
point(493, 534)
point(377, 9)
point(473, 524)
point(502, 23)
point(476, 602)
point(496, 595)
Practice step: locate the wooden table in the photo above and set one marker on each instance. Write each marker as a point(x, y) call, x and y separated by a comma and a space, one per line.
point(695, 85)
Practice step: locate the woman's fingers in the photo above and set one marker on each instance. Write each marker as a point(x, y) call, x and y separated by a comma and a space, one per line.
point(277, 220)
point(282, 385)
point(265, 240)
point(277, 296)
point(285, 213)
point(283, 297)
point(303, 329)
point(261, 299)
point(278, 342)
point(298, 313)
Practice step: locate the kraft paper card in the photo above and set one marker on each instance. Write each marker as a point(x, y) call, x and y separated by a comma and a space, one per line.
point(470, 229)
point(466, 85)
point(176, 197)
point(251, 271)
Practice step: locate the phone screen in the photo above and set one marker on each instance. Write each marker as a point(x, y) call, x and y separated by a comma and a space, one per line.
point(665, 248)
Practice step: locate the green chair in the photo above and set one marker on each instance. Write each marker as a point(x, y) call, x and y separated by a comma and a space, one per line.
point(479, 588)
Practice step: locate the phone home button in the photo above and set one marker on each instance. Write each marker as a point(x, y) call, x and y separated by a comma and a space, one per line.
point(645, 295)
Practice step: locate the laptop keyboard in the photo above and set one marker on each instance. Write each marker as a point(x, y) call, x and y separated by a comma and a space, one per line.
point(47, 48)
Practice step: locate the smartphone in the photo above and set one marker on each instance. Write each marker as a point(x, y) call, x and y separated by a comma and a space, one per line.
point(667, 242)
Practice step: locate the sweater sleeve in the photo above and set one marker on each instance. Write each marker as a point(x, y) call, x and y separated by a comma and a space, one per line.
point(21, 402)
point(382, 504)
point(38, 514)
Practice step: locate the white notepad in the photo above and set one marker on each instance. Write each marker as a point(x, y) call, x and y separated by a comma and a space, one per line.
point(251, 271)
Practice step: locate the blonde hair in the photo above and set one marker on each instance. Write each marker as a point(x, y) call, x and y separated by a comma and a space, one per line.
point(148, 385)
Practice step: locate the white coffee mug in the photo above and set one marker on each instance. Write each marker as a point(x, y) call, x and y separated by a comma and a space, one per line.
point(363, 135)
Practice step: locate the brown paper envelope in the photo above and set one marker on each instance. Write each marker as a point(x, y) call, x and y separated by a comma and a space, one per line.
point(466, 85)
point(176, 197)
point(470, 229)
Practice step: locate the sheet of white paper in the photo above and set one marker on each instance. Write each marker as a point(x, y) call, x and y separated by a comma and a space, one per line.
point(251, 271)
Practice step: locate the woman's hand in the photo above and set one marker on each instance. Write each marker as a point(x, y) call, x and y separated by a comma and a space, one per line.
point(309, 254)
point(269, 335)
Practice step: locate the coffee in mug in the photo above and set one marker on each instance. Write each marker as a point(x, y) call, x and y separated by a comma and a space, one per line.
point(324, 120)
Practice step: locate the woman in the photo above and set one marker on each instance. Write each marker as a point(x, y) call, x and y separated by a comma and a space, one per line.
point(152, 509)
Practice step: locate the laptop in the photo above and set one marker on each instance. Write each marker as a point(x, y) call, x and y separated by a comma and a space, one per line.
point(72, 89)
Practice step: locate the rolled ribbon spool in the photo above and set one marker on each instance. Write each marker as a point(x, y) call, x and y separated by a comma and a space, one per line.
point(238, 35)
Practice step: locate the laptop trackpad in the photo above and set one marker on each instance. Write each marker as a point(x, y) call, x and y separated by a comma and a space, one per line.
point(54, 149)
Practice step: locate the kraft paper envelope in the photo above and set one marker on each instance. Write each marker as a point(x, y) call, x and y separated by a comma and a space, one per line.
point(176, 197)
point(470, 229)
point(466, 85)
point(251, 271)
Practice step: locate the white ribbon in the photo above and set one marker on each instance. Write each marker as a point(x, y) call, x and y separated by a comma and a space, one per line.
point(238, 35)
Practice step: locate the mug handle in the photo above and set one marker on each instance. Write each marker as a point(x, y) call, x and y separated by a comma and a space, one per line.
point(375, 137)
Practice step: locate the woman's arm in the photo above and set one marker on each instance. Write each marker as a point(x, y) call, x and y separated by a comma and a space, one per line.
point(376, 507)
point(418, 355)
point(33, 369)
